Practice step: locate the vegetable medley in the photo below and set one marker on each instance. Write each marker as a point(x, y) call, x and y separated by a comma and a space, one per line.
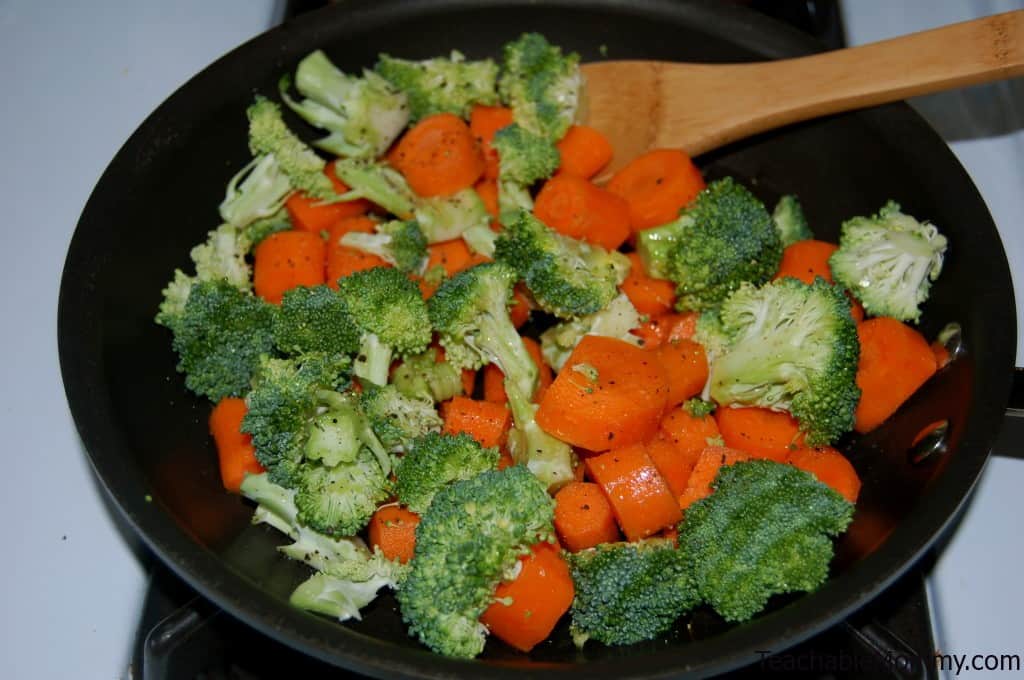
point(361, 325)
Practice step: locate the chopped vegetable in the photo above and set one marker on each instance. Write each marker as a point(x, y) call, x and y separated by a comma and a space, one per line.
point(657, 185)
point(584, 517)
point(640, 498)
point(895, 360)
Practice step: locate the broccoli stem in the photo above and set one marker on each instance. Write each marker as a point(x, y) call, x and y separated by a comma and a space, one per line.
point(501, 344)
point(548, 458)
point(373, 361)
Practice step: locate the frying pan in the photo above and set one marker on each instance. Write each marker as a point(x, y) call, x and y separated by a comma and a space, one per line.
point(147, 438)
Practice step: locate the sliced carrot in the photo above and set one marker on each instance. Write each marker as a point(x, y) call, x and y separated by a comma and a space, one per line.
point(759, 431)
point(806, 260)
point(672, 463)
point(830, 467)
point(711, 460)
point(609, 394)
point(649, 295)
point(667, 328)
point(584, 151)
point(640, 498)
point(484, 121)
point(487, 190)
point(494, 379)
point(343, 260)
point(468, 381)
point(393, 530)
point(438, 156)
point(690, 434)
point(485, 422)
point(494, 385)
point(584, 517)
point(311, 214)
point(573, 206)
point(519, 308)
point(657, 185)
point(452, 256)
point(235, 451)
point(686, 367)
point(895, 360)
point(526, 609)
point(285, 260)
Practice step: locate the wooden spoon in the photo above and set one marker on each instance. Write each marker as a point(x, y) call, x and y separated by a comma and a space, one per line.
point(641, 105)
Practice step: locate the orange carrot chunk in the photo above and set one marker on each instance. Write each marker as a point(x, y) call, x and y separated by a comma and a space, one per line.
point(609, 394)
point(235, 451)
point(393, 530)
point(674, 464)
point(494, 385)
point(311, 214)
point(519, 308)
point(640, 498)
point(584, 151)
point(711, 460)
point(759, 431)
point(484, 121)
point(438, 156)
point(667, 328)
point(657, 185)
point(830, 467)
point(583, 517)
point(690, 434)
point(649, 295)
point(526, 609)
point(285, 260)
point(895, 360)
point(806, 260)
point(483, 421)
point(686, 367)
point(573, 206)
point(344, 260)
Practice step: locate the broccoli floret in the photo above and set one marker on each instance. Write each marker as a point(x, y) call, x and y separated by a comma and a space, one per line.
point(513, 199)
point(376, 182)
point(790, 221)
point(315, 319)
point(470, 537)
point(443, 218)
point(399, 243)
point(339, 500)
point(628, 592)
point(269, 136)
point(424, 377)
point(792, 347)
point(442, 85)
point(397, 419)
point(526, 157)
point(567, 277)
point(387, 307)
point(699, 408)
point(256, 191)
point(725, 237)
point(434, 461)
point(363, 115)
point(765, 530)
point(219, 338)
point(614, 321)
point(481, 239)
point(888, 261)
point(541, 85)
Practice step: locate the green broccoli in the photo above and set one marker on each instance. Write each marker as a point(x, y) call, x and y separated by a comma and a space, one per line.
point(470, 537)
point(725, 237)
point(526, 157)
point(567, 277)
point(339, 500)
point(256, 191)
point(389, 310)
point(269, 136)
point(550, 459)
point(513, 199)
point(396, 419)
point(790, 221)
point(315, 319)
point(888, 261)
point(422, 376)
point(764, 530)
point(443, 218)
point(219, 337)
point(435, 460)
point(614, 321)
point(481, 239)
point(377, 182)
point(541, 85)
point(792, 346)
point(442, 85)
point(629, 592)
point(699, 408)
point(400, 243)
point(363, 116)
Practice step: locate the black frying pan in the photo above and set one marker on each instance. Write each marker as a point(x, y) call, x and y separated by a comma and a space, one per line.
point(147, 436)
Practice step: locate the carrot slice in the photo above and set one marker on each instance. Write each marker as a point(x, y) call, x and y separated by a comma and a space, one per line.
point(657, 185)
point(711, 460)
point(285, 260)
point(667, 328)
point(639, 496)
point(583, 517)
point(609, 394)
point(573, 206)
point(584, 151)
point(519, 308)
point(686, 367)
point(759, 431)
point(438, 156)
point(483, 421)
point(468, 381)
point(484, 121)
point(494, 385)
point(311, 214)
point(343, 260)
point(452, 256)
point(393, 530)
point(649, 295)
point(830, 467)
point(487, 190)
point(895, 360)
point(494, 379)
point(235, 452)
point(806, 260)
point(690, 434)
point(526, 610)
point(673, 464)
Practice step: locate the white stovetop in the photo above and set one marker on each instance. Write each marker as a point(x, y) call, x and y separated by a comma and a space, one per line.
point(77, 80)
